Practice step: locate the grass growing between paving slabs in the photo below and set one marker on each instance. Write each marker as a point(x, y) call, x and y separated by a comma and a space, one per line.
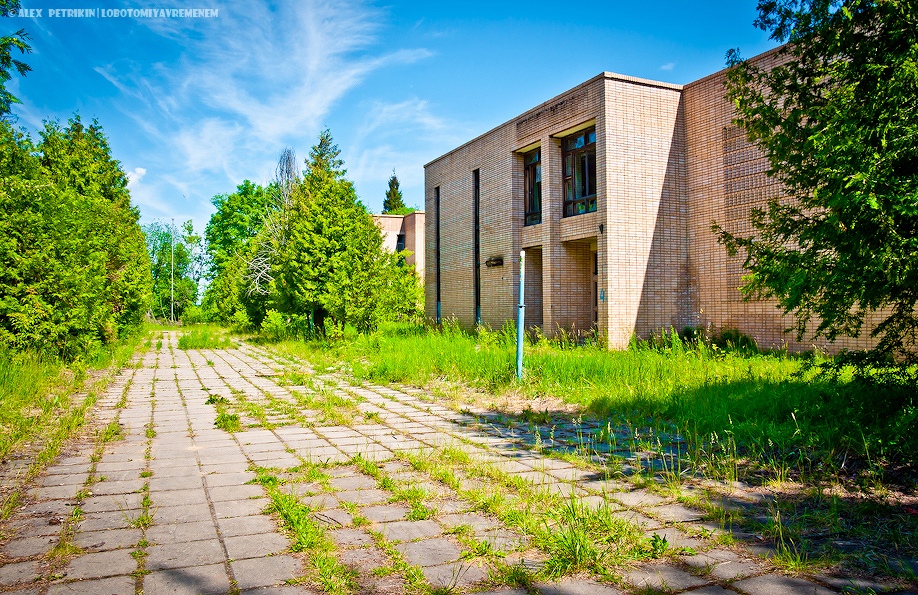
point(45, 402)
point(308, 536)
point(204, 337)
point(838, 453)
point(575, 537)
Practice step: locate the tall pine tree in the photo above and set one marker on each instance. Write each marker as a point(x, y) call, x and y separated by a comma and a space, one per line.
point(393, 202)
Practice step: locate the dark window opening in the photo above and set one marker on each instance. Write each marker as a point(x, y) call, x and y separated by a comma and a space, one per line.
point(437, 248)
point(476, 255)
point(532, 163)
point(400, 242)
point(579, 162)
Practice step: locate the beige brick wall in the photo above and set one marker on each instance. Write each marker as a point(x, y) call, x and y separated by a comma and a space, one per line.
point(725, 179)
point(412, 226)
point(669, 163)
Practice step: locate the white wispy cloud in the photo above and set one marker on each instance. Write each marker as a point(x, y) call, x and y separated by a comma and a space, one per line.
point(668, 66)
point(134, 176)
point(264, 77)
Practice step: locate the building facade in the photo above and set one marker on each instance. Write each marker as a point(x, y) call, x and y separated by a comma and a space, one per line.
point(611, 189)
point(404, 232)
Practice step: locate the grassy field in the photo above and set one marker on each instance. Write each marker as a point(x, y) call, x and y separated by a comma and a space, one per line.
point(773, 410)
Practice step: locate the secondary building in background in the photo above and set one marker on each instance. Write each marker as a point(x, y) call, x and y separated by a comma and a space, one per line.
point(611, 189)
point(404, 232)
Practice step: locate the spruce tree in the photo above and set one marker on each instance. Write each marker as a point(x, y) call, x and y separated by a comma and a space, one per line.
point(393, 202)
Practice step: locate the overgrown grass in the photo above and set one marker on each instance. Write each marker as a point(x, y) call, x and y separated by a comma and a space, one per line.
point(204, 337)
point(769, 407)
point(44, 402)
point(309, 537)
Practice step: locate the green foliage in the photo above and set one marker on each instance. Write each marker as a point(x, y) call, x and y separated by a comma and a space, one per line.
point(17, 41)
point(204, 338)
point(177, 267)
point(332, 262)
point(837, 122)
point(393, 202)
point(773, 405)
point(239, 217)
point(74, 274)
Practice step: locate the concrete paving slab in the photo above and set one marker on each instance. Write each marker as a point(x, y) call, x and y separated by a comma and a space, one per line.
point(354, 482)
point(200, 580)
point(235, 492)
point(180, 514)
point(429, 552)
point(636, 498)
point(364, 497)
point(453, 575)
point(18, 573)
point(116, 584)
point(180, 482)
point(364, 560)
point(246, 525)
point(676, 513)
point(117, 487)
point(350, 538)
point(504, 540)
point(335, 517)
point(114, 502)
point(228, 479)
point(23, 547)
point(675, 538)
point(168, 533)
point(111, 539)
point(576, 587)
point(477, 522)
point(184, 553)
point(385, 513)
point(662, 577)
point(773, 584)
point(234, 508)
point(101, 564)
point(409, 530)
point(264, 572)
point(255, 546)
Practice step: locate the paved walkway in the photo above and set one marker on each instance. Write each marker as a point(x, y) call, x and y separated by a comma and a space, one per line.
point(172, 507)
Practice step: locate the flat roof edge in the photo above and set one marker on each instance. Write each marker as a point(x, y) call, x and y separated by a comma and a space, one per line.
point(601, 76)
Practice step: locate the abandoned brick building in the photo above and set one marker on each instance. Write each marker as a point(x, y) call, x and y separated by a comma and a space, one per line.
point(611, 189)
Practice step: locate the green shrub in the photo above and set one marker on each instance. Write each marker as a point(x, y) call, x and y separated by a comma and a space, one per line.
point(204, 338)
point(275, 326)
point(192, 315)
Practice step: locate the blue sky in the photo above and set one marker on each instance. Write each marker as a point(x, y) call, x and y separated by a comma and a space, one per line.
point(193, 106)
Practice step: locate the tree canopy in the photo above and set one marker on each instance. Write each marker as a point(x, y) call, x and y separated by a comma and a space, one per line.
point(177, 266)
point(8, 43)
point(305, 253)
point(74, 273)
point(393, 202)
point(837, 120)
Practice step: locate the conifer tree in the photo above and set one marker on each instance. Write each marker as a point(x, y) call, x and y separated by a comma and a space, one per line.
point(393, 202)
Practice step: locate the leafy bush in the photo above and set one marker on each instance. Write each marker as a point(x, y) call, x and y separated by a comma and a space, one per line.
point(192, 315)
point(74, 272)
point(204, 338)
point(275, 326)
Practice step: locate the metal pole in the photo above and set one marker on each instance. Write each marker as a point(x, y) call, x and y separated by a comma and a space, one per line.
point(521, 318)
point(172, 272)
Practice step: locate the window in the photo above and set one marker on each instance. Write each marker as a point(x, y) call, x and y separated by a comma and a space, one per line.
point(476, 232)
point(400, 242)
point(532, 163)
point(579, 162)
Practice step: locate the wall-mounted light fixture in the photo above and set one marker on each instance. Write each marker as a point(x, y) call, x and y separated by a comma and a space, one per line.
point(495, 261)
point(600, 228)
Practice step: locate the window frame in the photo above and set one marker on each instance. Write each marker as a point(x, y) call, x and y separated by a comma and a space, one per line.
point(532, 187)
point(576, 160)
